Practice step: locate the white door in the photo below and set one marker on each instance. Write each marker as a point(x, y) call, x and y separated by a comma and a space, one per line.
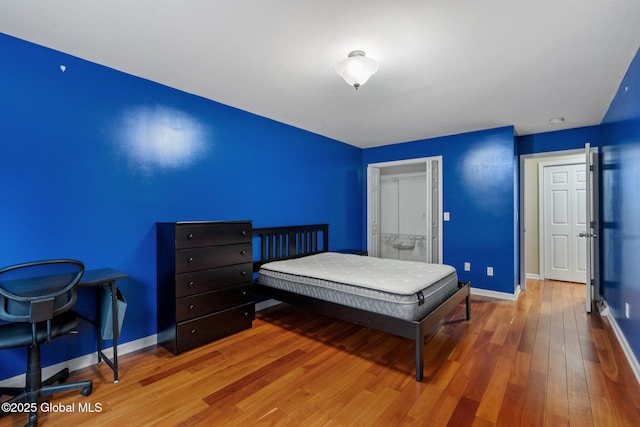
point(589, 231)
point(435, 212)
point(373, 211)
point(563, 219)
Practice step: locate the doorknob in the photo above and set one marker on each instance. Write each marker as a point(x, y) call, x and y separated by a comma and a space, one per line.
point(584, 234)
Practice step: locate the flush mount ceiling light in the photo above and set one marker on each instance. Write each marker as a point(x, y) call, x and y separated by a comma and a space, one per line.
point(556, 120)
point(356, 69)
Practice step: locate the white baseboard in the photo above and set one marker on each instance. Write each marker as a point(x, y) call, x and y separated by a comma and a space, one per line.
point(84, 361)
point(633, 361)
point(495, 294)
point(533, 276)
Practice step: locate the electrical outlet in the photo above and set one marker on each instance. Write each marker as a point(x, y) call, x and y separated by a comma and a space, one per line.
point(467, 266)
point(489, 271)
point(627, 310)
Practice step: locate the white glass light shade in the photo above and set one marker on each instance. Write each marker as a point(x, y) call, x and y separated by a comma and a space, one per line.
point(356, 69)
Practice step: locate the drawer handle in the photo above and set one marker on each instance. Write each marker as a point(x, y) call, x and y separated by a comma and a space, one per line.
point(190, 236)
point(191, 306)
point(244, 273)
point(246, 314)
point(190, 284)
point(244, 232)
point(190, 260)
point(243, 252)
point(193, 331)
point(244, 293)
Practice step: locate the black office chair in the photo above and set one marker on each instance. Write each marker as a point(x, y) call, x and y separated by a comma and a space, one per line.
point(35, 300)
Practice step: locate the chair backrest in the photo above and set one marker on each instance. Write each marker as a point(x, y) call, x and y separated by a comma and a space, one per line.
point(37, 291)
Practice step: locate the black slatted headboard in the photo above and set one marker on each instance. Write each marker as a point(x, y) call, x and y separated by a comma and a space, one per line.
point(278, 243)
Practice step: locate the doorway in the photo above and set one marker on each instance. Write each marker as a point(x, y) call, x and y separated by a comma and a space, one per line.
point(532, 252)
point(404, 210)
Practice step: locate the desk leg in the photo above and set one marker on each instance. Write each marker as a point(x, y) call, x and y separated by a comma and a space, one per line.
point(116, 329)
point(113, 364)
point(98, 322)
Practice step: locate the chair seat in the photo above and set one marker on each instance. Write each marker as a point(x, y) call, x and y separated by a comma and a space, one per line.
point(19, 334)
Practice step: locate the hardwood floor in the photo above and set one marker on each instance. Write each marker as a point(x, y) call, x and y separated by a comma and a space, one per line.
point(540, 361)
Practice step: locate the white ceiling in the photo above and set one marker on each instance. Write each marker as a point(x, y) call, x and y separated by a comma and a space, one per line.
point(446, 66)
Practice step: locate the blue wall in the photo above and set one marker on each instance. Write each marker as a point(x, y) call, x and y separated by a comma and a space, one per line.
point(569, 139)
point(479, 190)
point(621, 205)
point(91, 158)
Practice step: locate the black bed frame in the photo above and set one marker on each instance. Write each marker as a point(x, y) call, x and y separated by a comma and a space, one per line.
point(277, 243)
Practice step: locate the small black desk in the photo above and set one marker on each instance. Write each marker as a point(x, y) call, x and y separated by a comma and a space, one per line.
point(105, 278)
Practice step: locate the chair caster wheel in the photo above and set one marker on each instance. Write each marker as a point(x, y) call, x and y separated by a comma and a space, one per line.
point(86, 391)
point(33, 421)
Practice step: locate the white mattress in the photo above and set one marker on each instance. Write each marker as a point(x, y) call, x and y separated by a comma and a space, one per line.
point(405, 289)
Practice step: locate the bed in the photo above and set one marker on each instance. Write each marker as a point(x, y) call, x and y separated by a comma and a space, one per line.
point(404, 298)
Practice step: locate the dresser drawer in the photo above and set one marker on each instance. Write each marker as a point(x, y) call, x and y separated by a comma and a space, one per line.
point(210, 280)
point(208, 328)
point(212, 257)
point(206, 303)
point(212, 234)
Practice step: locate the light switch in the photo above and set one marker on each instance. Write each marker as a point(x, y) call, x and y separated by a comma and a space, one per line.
point(447, 216)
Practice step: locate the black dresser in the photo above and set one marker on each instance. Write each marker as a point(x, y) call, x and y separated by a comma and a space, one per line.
point(204, 272)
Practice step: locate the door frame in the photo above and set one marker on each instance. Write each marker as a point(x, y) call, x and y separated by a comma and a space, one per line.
point(371, 215)
point(595, 201)
point(522, 215)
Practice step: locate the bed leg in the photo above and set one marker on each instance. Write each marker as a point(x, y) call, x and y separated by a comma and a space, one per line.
point(468, 300)
point(419, 356)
